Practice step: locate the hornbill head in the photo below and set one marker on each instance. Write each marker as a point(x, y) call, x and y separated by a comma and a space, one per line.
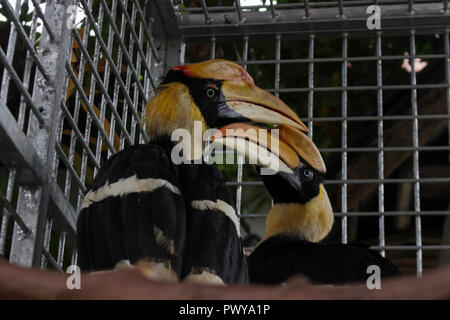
point(293, 176)
point(215, 92)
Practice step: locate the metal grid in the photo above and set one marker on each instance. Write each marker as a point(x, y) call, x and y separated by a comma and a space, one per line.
point(308, 22)
point(80, 99)
point(101, 73)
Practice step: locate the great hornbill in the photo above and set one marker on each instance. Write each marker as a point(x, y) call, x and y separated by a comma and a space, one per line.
point(179, 217)
point(300, 218)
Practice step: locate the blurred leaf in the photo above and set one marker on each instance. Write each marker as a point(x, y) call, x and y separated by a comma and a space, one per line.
point(24, 16)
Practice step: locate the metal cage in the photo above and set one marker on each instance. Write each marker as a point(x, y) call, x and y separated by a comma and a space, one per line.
point(74, 89)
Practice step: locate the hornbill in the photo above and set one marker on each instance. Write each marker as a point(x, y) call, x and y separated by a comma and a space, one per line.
point(178, 217)
point(300, 218)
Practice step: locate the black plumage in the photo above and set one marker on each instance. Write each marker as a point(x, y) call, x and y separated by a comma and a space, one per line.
point(280, 257)
point(161, 225)
point(301, 217)
point(121, 227)
point(160, 202)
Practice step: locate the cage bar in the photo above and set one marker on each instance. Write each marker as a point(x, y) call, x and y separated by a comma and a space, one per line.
point(415, 143)
point(447, 77)
point(380, 144)
point(310, 85)
point(344, 138)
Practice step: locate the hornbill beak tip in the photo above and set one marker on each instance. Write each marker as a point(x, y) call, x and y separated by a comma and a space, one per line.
point(258, 105)
point(304, 147)
point(288, 147)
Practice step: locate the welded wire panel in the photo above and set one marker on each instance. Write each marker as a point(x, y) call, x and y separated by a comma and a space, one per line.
point(16, 77)
point(9, 215)
point(108, 79)
point(377, 106)
point(262, 18)
point(18, 64)
point(109, 84)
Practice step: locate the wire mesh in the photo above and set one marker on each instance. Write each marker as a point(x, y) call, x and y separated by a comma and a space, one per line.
point(109, 80)
point(381, 129)
point(108, 72)
point(342, 150)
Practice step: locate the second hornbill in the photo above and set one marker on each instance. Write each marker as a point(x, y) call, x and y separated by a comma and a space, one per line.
point(178, 217)
point(300, 218)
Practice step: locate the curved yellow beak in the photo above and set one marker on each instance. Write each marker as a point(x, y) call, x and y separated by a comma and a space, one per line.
point(242, 95)
point(259, 105)
point(282, 147)
point(287, 143)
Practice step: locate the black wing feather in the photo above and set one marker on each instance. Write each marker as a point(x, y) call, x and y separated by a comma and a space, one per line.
point(123, 227)
point(161, 224)
point(282, 256)
point(212, 241)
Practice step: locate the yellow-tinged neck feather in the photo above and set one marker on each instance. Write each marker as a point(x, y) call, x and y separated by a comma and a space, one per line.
point(311, 221)
point(170, 109)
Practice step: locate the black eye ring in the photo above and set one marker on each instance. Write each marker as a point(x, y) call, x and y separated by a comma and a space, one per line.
point(308, 174)
point(210, 92)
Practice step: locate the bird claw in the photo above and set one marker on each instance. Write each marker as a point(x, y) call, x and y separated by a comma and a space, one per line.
point(160, 270)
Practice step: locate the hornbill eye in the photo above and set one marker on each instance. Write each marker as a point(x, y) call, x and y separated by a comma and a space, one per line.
point(210, 92)
point(308, 174)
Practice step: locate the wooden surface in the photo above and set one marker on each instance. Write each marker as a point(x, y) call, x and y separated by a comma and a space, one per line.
point(23, 283)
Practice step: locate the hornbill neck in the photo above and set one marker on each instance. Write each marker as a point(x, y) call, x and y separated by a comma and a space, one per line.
point(173, 108)
point(309, 221)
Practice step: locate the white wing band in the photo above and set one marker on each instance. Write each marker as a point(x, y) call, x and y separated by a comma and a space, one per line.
point(219, 205)
point(125, 186)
